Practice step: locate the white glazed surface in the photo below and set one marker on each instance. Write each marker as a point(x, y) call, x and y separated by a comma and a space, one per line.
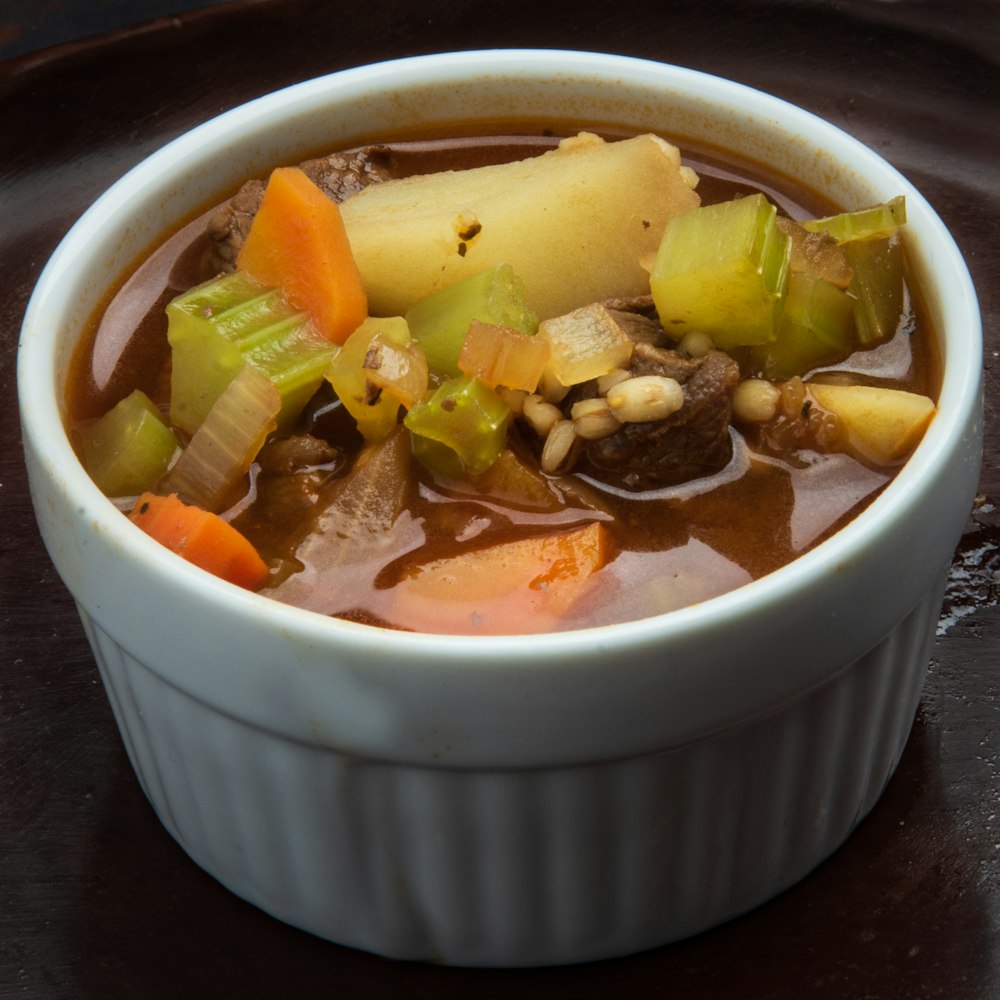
point(210, 683)
point(523, 866)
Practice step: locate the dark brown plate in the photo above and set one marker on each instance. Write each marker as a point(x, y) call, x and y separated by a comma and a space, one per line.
point(97, 901)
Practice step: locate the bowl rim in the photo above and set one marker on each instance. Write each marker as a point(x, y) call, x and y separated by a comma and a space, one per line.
point(36, 374)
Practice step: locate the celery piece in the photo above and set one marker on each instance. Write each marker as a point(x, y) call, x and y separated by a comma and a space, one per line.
point(375, 410)
point(816, 328)
point(878, 284)
point(217, 327)
point(440, 322)
point(722, 269)
point(461, 428)
point(876, 222)
point(128, 449)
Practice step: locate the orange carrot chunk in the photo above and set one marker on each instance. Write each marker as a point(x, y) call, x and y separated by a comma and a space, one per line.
point(298, 242)
point(520, 587)
point(202, 538)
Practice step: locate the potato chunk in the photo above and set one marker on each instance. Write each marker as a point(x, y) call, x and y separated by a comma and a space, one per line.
point(574, 223)
point(883, 425)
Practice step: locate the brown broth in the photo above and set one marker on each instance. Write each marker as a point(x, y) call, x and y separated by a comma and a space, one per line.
point(672, 547)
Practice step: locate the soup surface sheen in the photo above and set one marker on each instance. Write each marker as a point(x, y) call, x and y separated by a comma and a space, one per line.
point(669, 546)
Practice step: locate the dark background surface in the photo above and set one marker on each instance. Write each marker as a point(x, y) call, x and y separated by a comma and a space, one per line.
point(29, 25)
point(96, 900)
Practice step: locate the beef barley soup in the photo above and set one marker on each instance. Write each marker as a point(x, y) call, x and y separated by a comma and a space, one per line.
point(565, 382)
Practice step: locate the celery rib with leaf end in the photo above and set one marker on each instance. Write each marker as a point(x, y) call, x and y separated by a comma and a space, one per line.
point(217, 328)
point(722, 269)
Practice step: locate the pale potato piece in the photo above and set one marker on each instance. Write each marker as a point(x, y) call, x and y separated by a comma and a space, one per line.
point(574, 224)
point(882, 424)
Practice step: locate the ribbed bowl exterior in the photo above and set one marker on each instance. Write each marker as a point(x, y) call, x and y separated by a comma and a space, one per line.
point(521, 867)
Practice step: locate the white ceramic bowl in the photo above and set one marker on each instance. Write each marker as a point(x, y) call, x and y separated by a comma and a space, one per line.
point(512, 800)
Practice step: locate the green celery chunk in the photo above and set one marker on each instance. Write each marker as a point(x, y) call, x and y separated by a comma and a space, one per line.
point(218, 327)
point(128, 449)
point(878, 285)
point(460, 429)
point(722, 269)
point(440, 322)
point(876, 222)
point(816, 328)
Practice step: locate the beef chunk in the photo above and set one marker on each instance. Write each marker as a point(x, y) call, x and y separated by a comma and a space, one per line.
point(692, 442)
point(339, 175)
point(228, 226)
point(638, 318)
point(342, 174)
point(301, 453)
point(291, 474)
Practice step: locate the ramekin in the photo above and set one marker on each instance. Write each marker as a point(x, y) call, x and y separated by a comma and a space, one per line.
point(523, 800)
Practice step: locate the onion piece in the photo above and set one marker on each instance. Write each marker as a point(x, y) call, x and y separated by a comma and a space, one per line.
point(399, 369)
point(501, 355)
point(224, 446)
point(584, 344)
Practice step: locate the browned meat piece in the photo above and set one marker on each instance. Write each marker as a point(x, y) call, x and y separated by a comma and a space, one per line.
point(229, 225)
point(692, 442)
point(302, 453)
point(292, 474)
point(340, 175)
point(641, 328)
point(637, 317)
point(641, 304)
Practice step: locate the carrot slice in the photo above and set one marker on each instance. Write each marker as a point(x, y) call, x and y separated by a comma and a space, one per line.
point(298, 242)
point(202, 538)
point(518, 587)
